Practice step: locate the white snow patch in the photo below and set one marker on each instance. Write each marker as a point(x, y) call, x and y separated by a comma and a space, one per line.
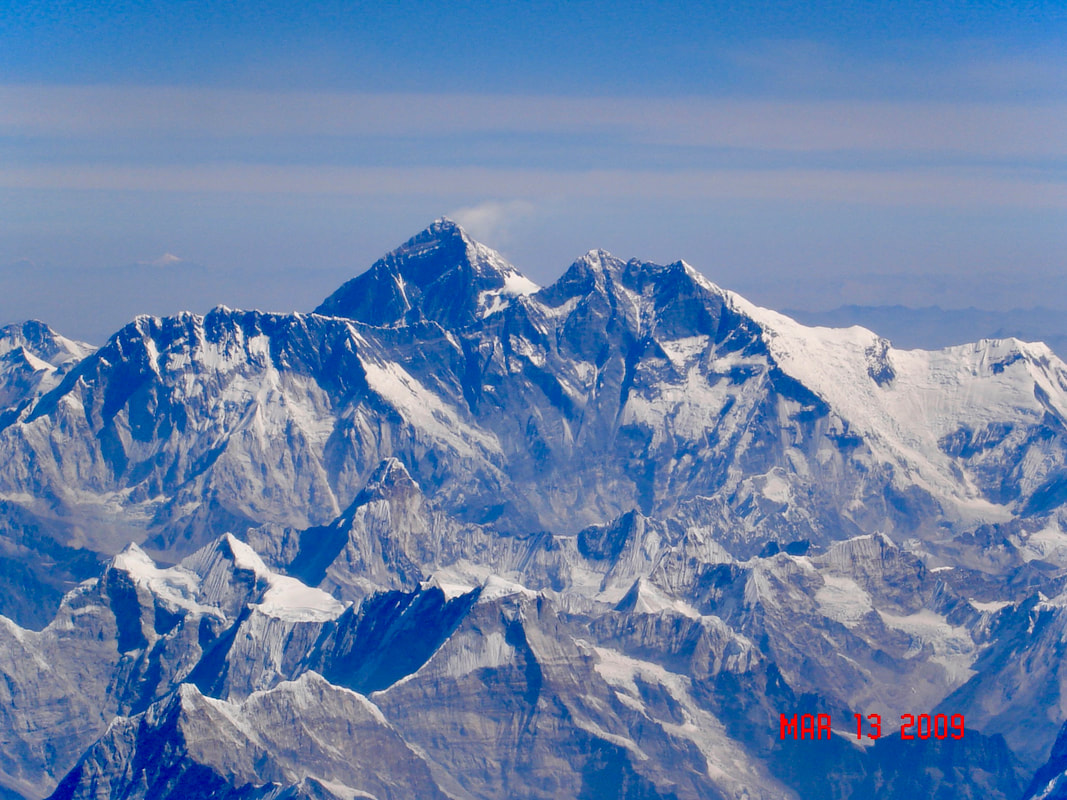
point(496, 587)
point(424, 410)
point(285, 597)
point(37, 364)
point(17, 632)
point(289, 599)
point(176, 586)
point(244, 557)
point(516, 283)
point(685, 349)
point(492, 303)
point(953, 647)
point(153, 354)
point(1048, 544)
point(776, 488)
point(563, 310)
point(991, 607)
point(842, 599)
point(650, 600)
point(619, 670)
point(449, 584)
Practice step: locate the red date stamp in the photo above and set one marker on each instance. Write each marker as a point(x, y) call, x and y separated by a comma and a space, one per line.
point(922, 726)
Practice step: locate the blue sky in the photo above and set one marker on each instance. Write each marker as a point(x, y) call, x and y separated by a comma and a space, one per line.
point(155, 156)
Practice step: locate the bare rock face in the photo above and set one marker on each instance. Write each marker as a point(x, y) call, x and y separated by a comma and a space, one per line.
point(455, 535)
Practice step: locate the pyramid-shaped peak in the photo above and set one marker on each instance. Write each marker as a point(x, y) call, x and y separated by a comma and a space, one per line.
point(446, 224)
point(441, 233)
point(645, 597)
point(389, 478)
point(597, 255)
point(440, 274)
point(599, 261)
point(591, 272)
point(444, 227)
point(390, 482)
point(135, 561)
point(42, 342)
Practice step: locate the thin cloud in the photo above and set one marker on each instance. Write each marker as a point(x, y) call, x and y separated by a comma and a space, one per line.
point(972, 70)
point(163, 261)
point(494, 220)
point(930, 188)
point(1005, 129)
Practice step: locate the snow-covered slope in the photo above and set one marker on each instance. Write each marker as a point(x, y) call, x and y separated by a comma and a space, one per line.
point(929, 413)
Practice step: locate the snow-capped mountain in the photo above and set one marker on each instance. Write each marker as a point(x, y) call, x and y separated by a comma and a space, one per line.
point(33, 359)
point(441, 275)
point(463, 536)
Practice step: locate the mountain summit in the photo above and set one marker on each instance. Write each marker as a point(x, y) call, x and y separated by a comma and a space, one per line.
point(441, 274)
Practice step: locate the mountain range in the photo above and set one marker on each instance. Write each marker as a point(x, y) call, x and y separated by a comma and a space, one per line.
point(933, 327)
point(455, 535)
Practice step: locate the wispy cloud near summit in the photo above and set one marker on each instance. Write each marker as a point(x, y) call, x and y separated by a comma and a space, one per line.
point(494, 220)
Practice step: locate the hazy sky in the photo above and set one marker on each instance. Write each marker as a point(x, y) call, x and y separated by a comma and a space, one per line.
point(158, 156)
